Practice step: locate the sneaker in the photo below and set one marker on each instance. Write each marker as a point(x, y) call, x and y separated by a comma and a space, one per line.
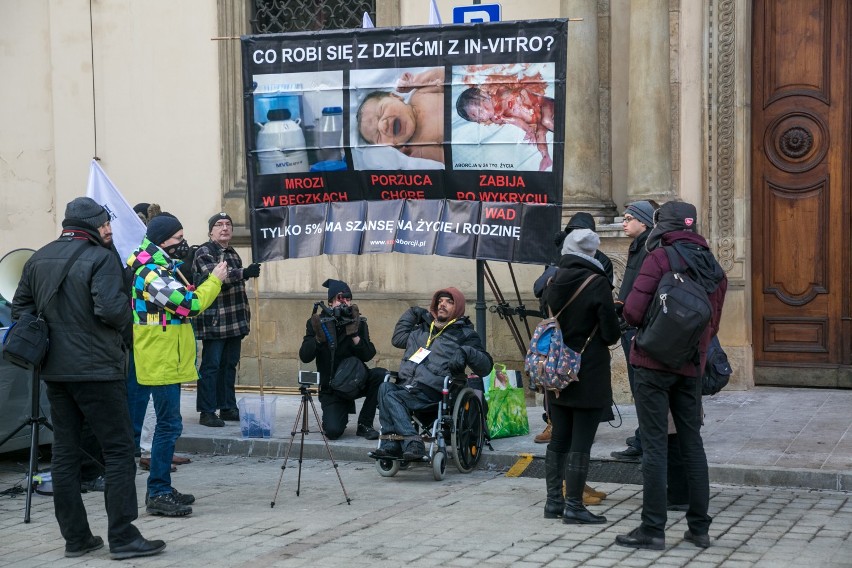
point(96, 484)
point(167, 505)
point(631, 454)
point(210, 419)
point(414, 451)
point(230, 415)
point(139, 547)
point(544, 437)
point(94, 543)
point(367, 432)
point(182, 498)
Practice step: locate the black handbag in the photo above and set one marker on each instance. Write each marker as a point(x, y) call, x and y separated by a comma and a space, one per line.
point(350, 378)
point(26, 341)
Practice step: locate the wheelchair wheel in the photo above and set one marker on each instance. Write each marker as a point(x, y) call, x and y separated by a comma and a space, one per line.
point(387, 468)
point(468, 436)
point(439, 466)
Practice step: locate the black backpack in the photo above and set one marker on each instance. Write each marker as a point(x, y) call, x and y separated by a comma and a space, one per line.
point(717, 371)
point(677, 318)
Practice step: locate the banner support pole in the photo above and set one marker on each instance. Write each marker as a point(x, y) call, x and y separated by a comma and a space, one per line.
point(257, 337)
point(480, 301)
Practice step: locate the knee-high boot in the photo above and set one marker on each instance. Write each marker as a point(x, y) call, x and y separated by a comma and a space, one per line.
point(554, 467)
point(576, 471)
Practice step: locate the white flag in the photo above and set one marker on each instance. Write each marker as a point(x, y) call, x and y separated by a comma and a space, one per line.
point(366, 22)
point(434, 15)
point(128, 230)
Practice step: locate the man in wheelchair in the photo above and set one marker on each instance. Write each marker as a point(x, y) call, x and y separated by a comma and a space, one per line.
point(438, 342)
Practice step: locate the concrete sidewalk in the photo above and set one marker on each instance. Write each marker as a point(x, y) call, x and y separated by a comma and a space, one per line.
point(782, 437)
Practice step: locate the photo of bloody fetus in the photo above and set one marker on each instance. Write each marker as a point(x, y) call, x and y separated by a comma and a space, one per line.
point(497, 97)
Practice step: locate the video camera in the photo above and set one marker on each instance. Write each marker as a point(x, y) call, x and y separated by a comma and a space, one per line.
point(340, 315)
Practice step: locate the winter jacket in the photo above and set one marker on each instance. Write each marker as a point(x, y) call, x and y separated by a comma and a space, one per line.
point(594, 306)
point(344, 347)
point(706, 271)
point(452, 348)
point(89, 318)
point(163, 340)
point(229, 314)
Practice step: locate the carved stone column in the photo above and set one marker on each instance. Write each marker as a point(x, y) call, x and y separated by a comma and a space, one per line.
point(649, 159)
point(233, 21)
point(582, 175)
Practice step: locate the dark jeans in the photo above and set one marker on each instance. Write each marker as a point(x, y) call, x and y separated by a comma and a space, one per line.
point(678, 489)
point(573, 428)
point(103, 404)
point(218, 374)
point(626, 340)
point(335, 410)
point(168, 430)
point(92, 460)
point(137, 400)
point(396, 404)
point(656, 393)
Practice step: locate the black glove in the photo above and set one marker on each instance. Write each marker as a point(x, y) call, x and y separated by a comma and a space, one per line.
point(318, 331)
point(352, 328)
point(619, 309)
point(251, 271)
point(459, 361)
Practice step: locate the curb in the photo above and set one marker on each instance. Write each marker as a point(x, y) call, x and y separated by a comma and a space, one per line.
point(600, 471)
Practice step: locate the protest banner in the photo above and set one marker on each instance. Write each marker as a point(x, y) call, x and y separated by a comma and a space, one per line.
point(444, 140)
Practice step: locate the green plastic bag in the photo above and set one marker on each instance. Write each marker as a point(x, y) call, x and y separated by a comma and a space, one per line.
point(507, 407)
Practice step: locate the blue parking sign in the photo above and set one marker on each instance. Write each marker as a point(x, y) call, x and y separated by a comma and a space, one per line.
point(476, 14)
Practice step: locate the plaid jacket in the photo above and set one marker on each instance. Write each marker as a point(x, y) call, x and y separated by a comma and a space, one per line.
point(229, 315)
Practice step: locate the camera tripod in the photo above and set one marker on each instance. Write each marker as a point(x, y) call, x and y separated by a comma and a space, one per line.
point(35, 421)
point(303, 414)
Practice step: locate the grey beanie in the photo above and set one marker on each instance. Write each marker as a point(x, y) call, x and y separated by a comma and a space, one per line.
point(643, 211)
point(86, 213)
point(582, 241)
point(162, 227)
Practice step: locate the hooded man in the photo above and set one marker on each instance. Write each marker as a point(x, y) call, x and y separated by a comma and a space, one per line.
point(331, 340)
point(659, 388)
point(164, 345)
point(438, 342)
point(84, 371)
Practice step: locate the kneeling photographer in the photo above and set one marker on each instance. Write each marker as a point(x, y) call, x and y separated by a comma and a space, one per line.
point(339, 339)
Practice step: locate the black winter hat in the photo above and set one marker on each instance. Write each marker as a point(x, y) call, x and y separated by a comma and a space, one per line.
point(162, 227)
point(86, 213)
point(216, 218)
point(581, 220)
point(671, 216)
point(336, 287)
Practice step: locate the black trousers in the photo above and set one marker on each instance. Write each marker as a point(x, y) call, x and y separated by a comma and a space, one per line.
point(103, 405)
point(656, 392)
point(335, 410)
point(574, 429)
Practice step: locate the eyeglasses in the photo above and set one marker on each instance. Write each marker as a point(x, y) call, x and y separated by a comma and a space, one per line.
point(627, 219)
point(222, 224)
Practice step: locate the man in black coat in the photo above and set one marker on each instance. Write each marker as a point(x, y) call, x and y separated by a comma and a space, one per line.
point(85, 370)
point(637, 221)
point(330, 341)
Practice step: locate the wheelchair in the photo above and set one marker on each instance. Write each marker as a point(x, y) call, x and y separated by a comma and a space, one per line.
point(453, 428)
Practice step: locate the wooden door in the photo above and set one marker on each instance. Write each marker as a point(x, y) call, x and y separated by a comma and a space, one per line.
point(800, 192)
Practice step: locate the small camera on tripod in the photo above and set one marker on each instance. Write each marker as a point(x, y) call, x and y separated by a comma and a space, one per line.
point(309, 378)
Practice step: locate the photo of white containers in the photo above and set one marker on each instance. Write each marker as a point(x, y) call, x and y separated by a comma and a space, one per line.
point(281, 144)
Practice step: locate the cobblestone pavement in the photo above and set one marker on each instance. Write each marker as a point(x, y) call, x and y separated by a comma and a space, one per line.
point(480, 519)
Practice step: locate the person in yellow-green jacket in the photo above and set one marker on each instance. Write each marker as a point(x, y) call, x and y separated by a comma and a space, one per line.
point(164, 345)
